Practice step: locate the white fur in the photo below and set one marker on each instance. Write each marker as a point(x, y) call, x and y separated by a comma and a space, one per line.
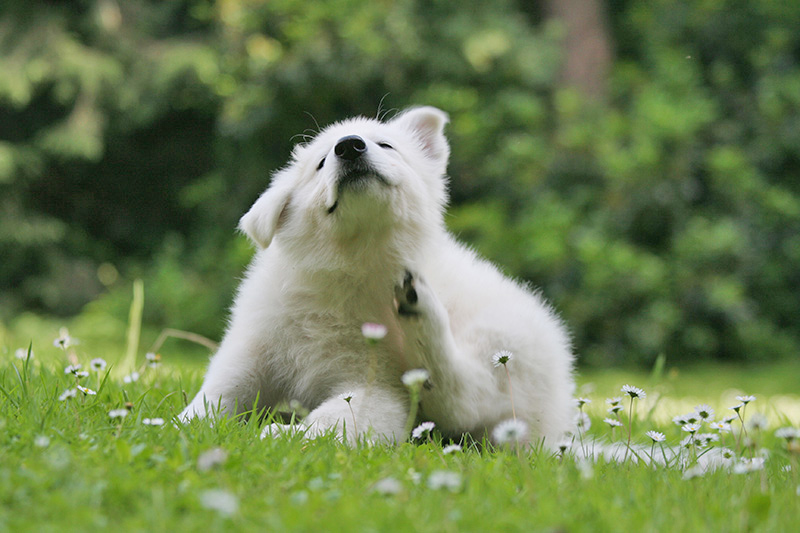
point(331, 258)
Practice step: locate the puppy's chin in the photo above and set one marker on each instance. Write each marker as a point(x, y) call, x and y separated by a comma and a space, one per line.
point(355, 185)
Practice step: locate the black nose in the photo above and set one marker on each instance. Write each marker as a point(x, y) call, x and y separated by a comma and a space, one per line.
point(350, 148)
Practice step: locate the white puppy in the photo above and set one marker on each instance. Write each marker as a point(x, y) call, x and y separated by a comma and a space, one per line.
point(351, 232)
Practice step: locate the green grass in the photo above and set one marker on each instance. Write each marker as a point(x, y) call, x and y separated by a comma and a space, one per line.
point(67, 466)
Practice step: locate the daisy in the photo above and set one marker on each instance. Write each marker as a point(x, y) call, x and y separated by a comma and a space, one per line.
point(746, 399)
point(510, 431)
point(347, 396)
point(63, 340)
point(223, 502)
point(634, 392)
point(387, 486)
point(691, 428)
point(705, 412)
point(452, 448)
point(736, 407)
point(98, 364)
point(444, 479)
point(67, 394)
point(130, 378)
point(153, 421)
point(86, 391)
point(656, 436)
point(153, 359)
point(422, 430)
point(613, 422)
point(788, 433)
point(118, 413)
point(22, 353)
point(720, 426)
point(757, 421)
point(502, 358)
point(707, 438)
point(415, 377)
point(583, 422)
point(745, 466)
point(580, 402)
point(72, 369)
point(614, 401)
point(81, 374)
point(373, 332)
point(614, 409)
point(211, 459)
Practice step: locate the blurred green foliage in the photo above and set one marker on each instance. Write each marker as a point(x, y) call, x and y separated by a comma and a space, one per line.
point(664, 218)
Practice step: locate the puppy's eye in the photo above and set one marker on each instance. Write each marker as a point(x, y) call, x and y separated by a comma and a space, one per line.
point(321, 164)
point(386, 145)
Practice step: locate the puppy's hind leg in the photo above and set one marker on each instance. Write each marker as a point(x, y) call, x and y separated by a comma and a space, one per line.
point(360, 412)
point(459, 383)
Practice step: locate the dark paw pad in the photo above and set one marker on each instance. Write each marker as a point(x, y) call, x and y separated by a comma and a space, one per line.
point(406, 296)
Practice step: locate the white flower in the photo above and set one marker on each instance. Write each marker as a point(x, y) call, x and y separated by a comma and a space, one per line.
point(63, 340)
point(614, 401)
point(707, 438)
point(583, 422)
point(727, 454)
point(387, 486)
point(613, 422)
point(41, 441)
point(347, 396)
point(720, 426)
point(221, 501)
point(153, 359)
point(634, 392)
point(788, 433)
point(373, 332)
point(422, 430)
point(746, 399)
point(510, 432)
point(153, 421)
point(22, 353)
point(67, 394)
point(736, 407)
point(705, 412)
point(502, 358)
point(614, 409)
point(416, 377)
point(72, 369)
point(656, 436)
point(693, 472)
point(580, 402)
point(118, 413)
point(130, 378)
point(81, 374)
point(691, 428)
point(86, 391)
point(745, 465)
point(98, 364)
point(211, 458)
point(452, 448)
point(757, 421)
point(444, 479)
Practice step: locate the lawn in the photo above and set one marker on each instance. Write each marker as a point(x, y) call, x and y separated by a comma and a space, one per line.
point(76, 463)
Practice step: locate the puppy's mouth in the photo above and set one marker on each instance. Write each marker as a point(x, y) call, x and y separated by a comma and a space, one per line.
point(356, 178)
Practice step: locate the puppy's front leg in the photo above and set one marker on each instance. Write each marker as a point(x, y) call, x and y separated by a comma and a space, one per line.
point(459, 380)
point(230, 385)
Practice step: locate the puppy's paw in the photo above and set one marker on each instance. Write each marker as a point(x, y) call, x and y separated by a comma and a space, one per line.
point(406, 297)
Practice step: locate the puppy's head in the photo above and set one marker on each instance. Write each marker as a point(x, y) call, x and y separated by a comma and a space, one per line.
point(358, 181)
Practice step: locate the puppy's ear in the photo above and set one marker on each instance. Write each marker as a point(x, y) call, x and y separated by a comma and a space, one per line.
point(427, 124)
point(263, 219)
